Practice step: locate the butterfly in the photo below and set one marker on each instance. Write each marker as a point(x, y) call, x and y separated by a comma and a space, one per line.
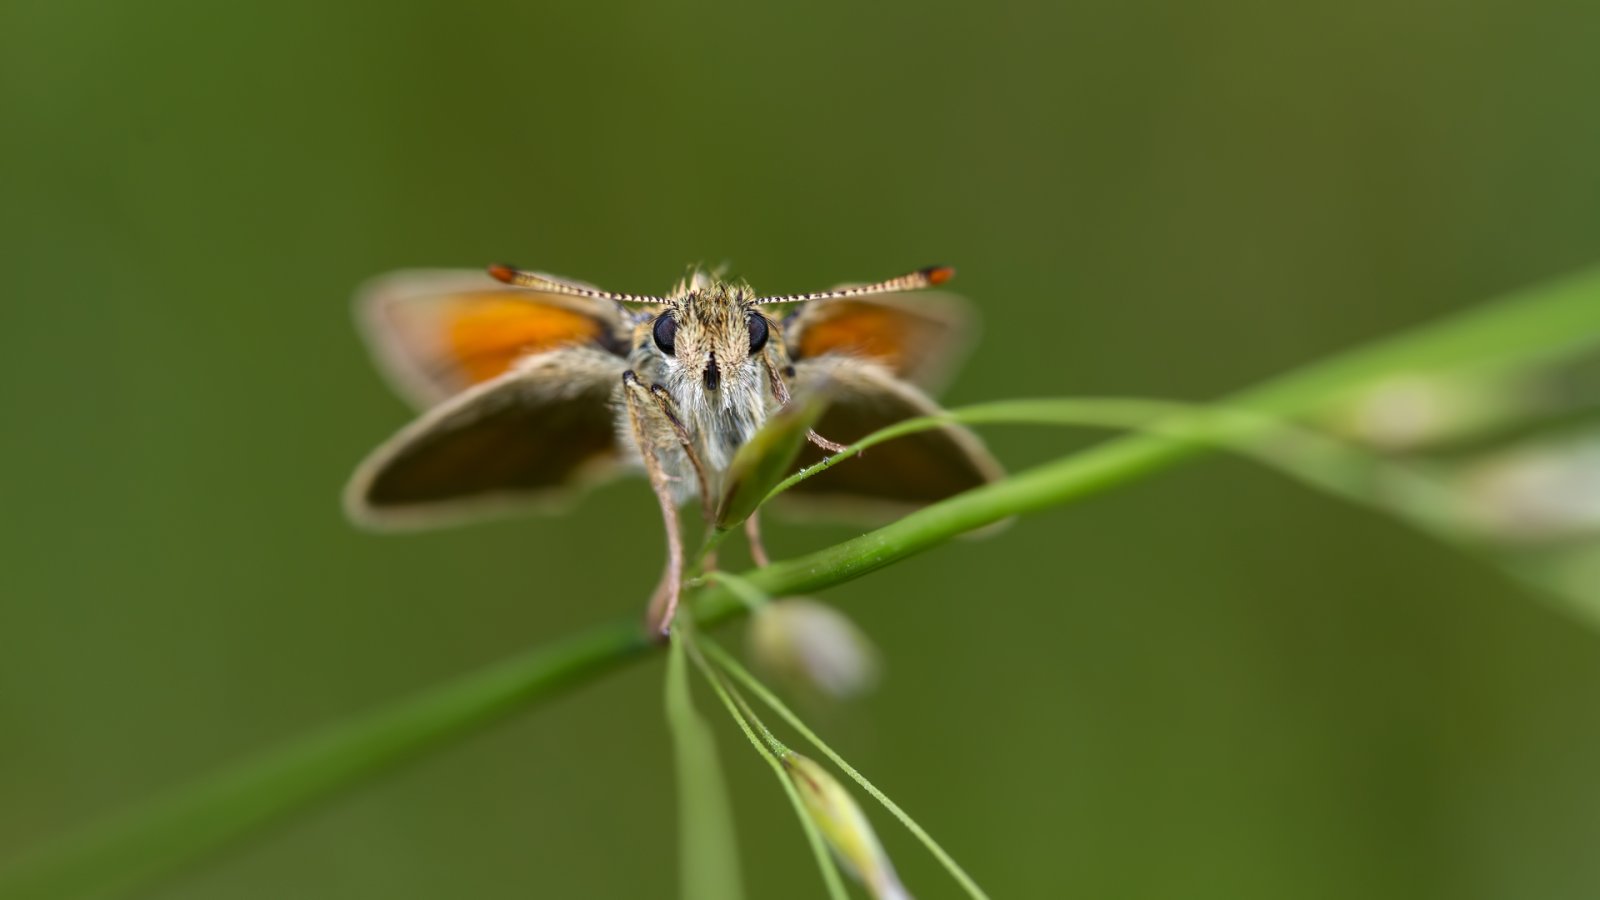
point(530, 386)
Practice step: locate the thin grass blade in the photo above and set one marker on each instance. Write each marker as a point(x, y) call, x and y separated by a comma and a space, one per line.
point(772, 751)
point(726, 662)
point(708, 847)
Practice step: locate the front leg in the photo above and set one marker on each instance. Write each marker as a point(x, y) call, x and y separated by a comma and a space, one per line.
point(780, 395)
point(669, 412)
point(752, 533)
point(650, 434)
point(708, 507)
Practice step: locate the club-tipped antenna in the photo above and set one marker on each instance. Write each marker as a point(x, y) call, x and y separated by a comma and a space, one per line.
point(921, 278)
point(514, 276)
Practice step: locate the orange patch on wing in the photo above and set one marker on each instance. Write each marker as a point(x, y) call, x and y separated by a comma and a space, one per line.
point(858, 330)
point(487, 334)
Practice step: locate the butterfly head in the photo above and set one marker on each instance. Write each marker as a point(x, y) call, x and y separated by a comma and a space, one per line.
point(712, 337)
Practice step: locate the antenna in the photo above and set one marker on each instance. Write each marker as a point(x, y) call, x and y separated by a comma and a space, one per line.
point(921, 278)
point(514, 276)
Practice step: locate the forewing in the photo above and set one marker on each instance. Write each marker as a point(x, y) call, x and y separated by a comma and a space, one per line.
point(516, 441)
point(918, 335)
point(906, 472)
point(437, 332)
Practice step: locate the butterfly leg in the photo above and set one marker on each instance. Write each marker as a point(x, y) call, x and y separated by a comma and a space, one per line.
point(708, 509)
point(668, 412)
point(650, 434)
point(752, 533)
point(824, 443)
point(780, 395)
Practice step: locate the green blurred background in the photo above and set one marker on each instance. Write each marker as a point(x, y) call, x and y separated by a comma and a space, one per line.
point(1213, 684)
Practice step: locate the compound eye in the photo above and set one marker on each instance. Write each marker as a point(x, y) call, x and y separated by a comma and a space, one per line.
point(758, 332)
point(665, 332)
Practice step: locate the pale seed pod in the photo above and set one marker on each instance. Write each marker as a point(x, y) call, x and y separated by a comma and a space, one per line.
point(844, 827)
point(1540, 491)
point(813, 648)
point(1406, 413)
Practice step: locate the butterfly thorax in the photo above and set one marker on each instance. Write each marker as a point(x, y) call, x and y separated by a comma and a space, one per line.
point(709, 347)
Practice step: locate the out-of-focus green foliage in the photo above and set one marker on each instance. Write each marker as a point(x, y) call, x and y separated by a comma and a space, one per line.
point(1215, 685)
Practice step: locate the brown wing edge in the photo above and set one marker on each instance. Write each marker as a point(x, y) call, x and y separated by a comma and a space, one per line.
point(506, 465)
point(885, 482)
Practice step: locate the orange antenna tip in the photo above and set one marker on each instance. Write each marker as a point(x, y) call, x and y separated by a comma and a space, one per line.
point(550, 285)
point(921, 278)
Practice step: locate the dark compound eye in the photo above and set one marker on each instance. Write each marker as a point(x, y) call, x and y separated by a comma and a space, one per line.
point(665, 332)
point(758, 332)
